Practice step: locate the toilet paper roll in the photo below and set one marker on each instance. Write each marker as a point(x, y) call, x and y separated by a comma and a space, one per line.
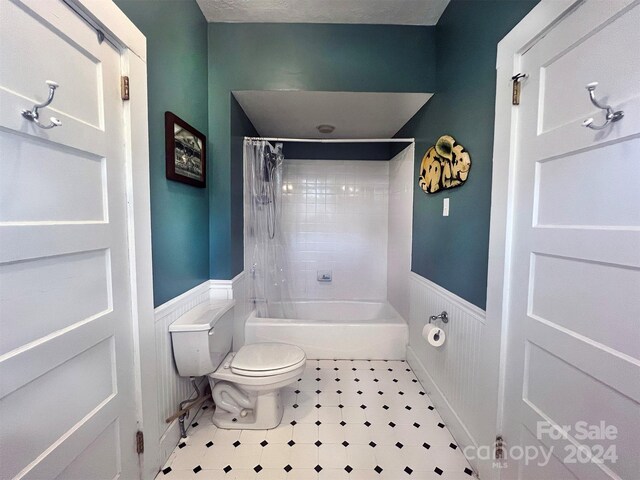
point(434, 335)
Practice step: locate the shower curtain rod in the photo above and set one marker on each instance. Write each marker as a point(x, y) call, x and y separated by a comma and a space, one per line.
point(334, 140)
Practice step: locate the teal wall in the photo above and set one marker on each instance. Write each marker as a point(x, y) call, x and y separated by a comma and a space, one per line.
point(453, 251)
point(176, 34)
point(290, 56)
point(194, 67)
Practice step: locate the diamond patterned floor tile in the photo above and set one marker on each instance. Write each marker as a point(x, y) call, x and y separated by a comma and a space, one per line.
point(368, 420)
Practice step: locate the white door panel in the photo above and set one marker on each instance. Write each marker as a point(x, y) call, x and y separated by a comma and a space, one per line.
point(46, 196)
point(67, 404)
point(601, 208)
point(563, 102)
point(566, 60)
point(574, 305)
point(62, 48)
point(99, 456)
point(86, 139)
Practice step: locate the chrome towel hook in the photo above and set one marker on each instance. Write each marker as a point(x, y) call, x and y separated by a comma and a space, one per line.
point(611, 116)
point(33, 114)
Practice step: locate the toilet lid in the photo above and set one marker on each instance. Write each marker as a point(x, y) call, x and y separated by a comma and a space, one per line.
point(266, 357)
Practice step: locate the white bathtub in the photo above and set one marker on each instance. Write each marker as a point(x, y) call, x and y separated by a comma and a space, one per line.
point(336, 330)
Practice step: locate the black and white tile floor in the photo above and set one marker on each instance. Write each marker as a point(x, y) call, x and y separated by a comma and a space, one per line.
point(343, 420)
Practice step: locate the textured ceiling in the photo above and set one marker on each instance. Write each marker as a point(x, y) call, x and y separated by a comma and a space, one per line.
point(381, 12)
point(296, 114)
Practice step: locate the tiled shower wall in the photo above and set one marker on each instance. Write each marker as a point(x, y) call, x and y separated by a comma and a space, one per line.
point(335, 218)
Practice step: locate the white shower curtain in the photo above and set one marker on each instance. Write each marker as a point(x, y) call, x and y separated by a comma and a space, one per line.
point(265, 245)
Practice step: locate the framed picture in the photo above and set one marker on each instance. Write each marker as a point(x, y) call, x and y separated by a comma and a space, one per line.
point(186, 153)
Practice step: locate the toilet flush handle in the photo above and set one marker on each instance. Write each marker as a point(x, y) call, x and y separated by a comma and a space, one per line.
point(212, 331)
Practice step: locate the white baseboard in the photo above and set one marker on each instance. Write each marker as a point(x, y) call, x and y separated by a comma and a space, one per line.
point(454, 423)
point(168, 441)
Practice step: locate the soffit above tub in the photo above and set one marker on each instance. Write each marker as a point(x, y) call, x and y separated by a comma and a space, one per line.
point(296, 114)
point(378, 12)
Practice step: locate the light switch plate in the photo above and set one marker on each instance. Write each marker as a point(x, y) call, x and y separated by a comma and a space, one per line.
point(445, 207)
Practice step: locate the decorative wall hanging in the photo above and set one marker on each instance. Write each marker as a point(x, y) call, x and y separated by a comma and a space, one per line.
point(186, 154)
point(445, 165)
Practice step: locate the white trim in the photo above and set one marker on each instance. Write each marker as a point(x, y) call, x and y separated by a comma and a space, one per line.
point(216, 289)
point(140, 252)
point(223, 289)
point(175, 302)
point(238, 278)
point(460, 302)
point(440, 402)
point(168, 441)
point(171, 436)
point(533, 27)
point(220, 289)
point(120, 31)
point(114, 23)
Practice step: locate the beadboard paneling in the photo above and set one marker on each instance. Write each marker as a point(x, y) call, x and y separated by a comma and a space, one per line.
point(172, 388)
point(452, 374)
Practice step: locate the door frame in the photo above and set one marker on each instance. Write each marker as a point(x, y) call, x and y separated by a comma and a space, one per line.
point(132, 44)
point(542, 18)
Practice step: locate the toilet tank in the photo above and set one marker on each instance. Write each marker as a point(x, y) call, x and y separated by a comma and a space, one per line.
point(202, 337)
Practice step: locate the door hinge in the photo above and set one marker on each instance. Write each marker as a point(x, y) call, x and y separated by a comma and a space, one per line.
point(124, 87)
point(515, 94)
point(139, 442)
point(499, 448)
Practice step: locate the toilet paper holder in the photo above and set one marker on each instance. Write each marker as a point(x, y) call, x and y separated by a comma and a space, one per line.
point(443, 316)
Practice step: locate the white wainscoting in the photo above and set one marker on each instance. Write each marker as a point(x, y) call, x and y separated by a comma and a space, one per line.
point(172, 388)
point(452, 375)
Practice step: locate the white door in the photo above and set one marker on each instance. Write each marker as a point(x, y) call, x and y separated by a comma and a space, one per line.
point(573, 354)
point(67, 406)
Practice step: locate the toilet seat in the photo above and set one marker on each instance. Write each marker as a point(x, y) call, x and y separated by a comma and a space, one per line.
point(267, 359)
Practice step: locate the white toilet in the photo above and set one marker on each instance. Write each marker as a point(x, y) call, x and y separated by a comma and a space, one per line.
point(245, 384)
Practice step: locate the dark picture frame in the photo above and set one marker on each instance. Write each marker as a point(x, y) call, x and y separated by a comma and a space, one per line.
point(186, 152)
